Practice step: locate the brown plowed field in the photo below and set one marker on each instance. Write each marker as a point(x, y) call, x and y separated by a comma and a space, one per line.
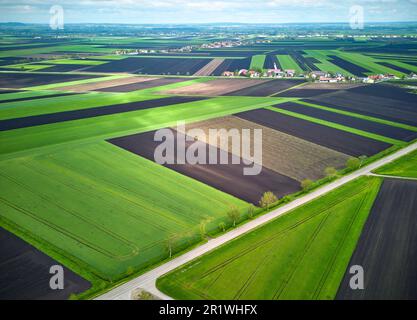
point(105, 84)
point(282, 153)
point(209, 68)
point(215, 87)
point(335, 139)
point(387, 247)
point(24, 272)
point(228, 178)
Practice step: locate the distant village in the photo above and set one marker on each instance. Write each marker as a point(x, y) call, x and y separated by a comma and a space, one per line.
point(315, 76)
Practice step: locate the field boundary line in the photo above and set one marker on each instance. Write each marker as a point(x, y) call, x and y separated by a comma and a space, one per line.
point(357, 115)
point(340, 127)
point(285, 90)
point(148, 279)
point(387, 176)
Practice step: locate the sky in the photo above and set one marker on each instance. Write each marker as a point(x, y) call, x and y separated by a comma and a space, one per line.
point(206, 11)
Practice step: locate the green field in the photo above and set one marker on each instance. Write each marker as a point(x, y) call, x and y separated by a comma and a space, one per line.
point(125, 208)
point(287, 62)
point(403, 167)
point(93, 129)
point(301, 255)
point(258, 62)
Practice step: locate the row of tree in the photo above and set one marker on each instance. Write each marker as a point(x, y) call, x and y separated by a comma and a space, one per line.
point(267, 201)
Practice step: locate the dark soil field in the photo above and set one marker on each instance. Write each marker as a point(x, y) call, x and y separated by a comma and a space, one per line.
point(267, 88)
point(394, 67)
point(338, 140)
point(143, 85)
point(305, 63)
point(390, 92)
point(232, 65)
point(225, 177)
point(64, 68)
point(22, 80)
point(166, 66)
point(9, 91)
point(24, 273)
point(375, 101)
point(304, 93)
point(36, 97)
point(92, 112)
point(349, 66)
point(387, 247)
point(361, 124)
point(270, 60)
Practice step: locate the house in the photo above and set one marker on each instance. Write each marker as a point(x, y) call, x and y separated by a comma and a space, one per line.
point(327, 80)
point(275, 73)
point(243, 72)
point(253, 74)
point(318, 74)
point(290, 73)
point(228, 74)
point(373, 78)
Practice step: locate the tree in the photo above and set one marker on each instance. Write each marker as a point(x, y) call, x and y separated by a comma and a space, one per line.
point(222, 226)
point(353, 163)
point(330, 172)
point(251, 211)
point(234, 215)
point(203, 225)
point(170, 243)
point(306, 184)
point(268, 199)
point(362, 159)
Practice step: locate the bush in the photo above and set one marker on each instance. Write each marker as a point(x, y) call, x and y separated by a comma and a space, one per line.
point(306, 184)
point(330, 172)
point(353, 163)
point(251, 211)
point(268, 199)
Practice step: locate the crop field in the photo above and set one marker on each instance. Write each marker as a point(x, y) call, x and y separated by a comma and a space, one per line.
point(403, 167)
point(384, 101)
point(341, 141)
point(166, 66)
point(22, 80)
point(95, 86)
point(282, 153)
point(232, 65)
point(228, 178)
point(109, 126)
point(216, 87)
point(267, 88)
point(38, 120)
point(301, 255)
point(387, 246)
point(24, 272)
point(121, 217)
point(310, 90)
point(149, 83)
point(361, 124)
point(79, 184)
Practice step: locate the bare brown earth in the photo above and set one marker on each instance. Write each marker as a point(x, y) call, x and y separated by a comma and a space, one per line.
point(24, 272)
point(387, 247)
point(215, 87)
point(209, 68)
point(104, 84)
point(228, 178)
point(282, 153)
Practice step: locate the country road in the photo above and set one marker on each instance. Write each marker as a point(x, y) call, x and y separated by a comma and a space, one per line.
point(148, 279)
